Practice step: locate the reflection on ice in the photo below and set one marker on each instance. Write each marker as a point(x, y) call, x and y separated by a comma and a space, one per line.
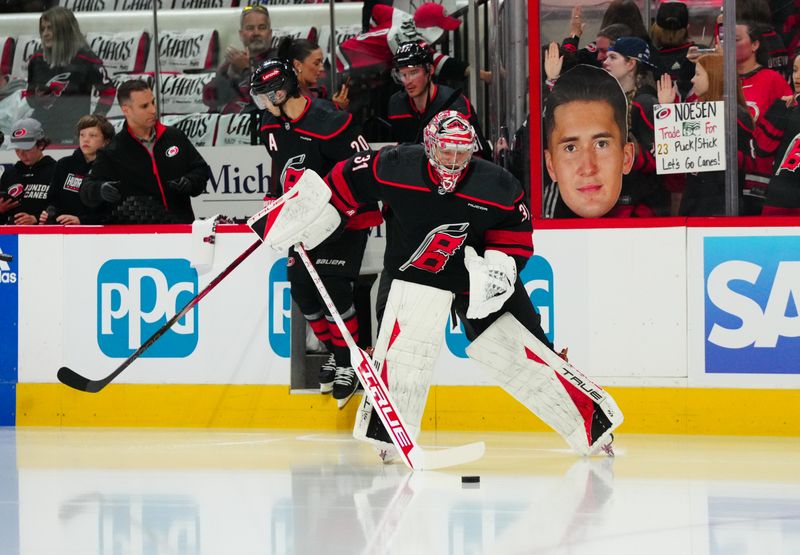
point(218, 492)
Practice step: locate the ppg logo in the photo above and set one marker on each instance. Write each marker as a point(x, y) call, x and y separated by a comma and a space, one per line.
point(136, 297)
point(752, 304)
point(280, 309)
point(537, 276)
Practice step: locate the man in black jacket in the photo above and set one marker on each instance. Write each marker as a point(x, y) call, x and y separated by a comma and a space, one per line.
point(149, 172)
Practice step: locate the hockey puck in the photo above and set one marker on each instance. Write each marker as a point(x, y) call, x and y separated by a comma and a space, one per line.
point(6, 257)
point(470, 479)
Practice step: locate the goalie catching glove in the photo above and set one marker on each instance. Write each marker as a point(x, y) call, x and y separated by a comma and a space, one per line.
point(303, 215)
point(491, 281)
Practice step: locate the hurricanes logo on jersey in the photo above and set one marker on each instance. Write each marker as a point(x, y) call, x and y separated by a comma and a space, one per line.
point(57, 84)
point(791, 160)
point(436, 249)
point(292, 172)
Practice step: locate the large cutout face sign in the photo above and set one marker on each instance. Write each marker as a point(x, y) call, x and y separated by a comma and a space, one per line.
point(587, 149)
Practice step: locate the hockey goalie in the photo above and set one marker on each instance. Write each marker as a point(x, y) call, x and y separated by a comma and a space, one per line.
point(458, 232)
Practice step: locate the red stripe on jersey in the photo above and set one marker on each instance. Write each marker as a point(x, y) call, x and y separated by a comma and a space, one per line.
point(401, 116)
point(644, 115)
point(365, 220)
point(394, 184)
point(484, 201)
point(342, 128)
point(343, 199)
point(509, 239)
point(270, 126)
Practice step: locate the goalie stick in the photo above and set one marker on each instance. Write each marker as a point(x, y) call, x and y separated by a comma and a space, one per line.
point(412, 454)
point(70, 378)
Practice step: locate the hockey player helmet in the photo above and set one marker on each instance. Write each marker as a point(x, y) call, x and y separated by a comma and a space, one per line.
point(410, 54)
point(274, 80)
point(450, 141)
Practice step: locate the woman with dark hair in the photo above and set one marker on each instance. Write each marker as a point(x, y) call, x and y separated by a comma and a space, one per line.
point(762, 87)
point(306, 59)
point(62, 74)
point(627, 12)
point(643, 194)
point(64, 204)
point(778, 131)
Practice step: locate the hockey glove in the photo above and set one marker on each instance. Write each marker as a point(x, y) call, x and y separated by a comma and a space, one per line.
point(303, 215)
point(109, 192)
point(182, 185)
point(491, 281)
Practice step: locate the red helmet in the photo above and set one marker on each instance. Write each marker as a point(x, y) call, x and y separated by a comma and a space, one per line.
point(449, 142)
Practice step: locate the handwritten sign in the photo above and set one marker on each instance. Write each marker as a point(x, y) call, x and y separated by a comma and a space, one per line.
point(690, 137)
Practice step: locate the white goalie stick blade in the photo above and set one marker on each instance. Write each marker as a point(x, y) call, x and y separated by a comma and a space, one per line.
point(555, 391)
point(412, 454)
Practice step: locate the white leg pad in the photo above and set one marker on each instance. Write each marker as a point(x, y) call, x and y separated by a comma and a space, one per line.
point(411, 335)
point(564, 398)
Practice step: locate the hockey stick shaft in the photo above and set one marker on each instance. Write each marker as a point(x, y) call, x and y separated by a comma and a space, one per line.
point(413, 455)
point(76, 381)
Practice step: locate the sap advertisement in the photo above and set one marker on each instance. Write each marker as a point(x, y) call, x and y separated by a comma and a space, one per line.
point(747, 312)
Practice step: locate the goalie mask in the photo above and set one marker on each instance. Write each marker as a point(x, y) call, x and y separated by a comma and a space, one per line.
point(450, 142)
point(273, 81)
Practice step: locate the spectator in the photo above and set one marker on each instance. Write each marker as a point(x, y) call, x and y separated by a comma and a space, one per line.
point(762, 87)
point(773, 49)
point(411, 109)
point(13, 106)
point(642, 191)
point(24, 186)
point(306, 58)
point(626, 12)
point(229, 91)
point(670, 34)
point(391, 27)
point(63, 199)
point(704, 192)
point(595, 52)
point(781, 125)
point(149, 172)
point(62, 74)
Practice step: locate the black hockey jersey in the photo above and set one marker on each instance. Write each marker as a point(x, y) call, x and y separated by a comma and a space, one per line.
point(319, 138)
point(427, 231)
point(60, 95)
point(64, 193)
point(407, 123)
point(36, 182)
point(784, 184)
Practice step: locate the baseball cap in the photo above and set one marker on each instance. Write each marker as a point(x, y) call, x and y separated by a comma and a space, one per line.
point(672, 16)
point(430, 20)
point(632, 47)
point(25, 133)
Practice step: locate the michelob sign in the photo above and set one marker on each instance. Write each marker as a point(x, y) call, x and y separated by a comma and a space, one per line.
point(689, 137)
